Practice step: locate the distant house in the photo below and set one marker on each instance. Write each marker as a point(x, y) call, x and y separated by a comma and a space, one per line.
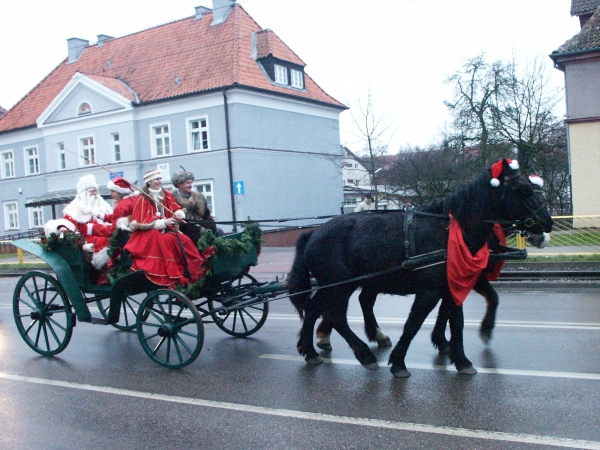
point(214, 93)
point(579, 59)
point(2, 111)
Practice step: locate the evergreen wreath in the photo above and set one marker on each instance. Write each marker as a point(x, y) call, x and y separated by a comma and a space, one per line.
point(62, 239)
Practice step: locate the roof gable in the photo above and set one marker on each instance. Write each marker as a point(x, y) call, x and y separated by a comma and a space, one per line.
point(102, 94)
point(180, 58)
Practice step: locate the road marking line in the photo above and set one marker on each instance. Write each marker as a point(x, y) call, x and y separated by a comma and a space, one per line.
point(357, 421)
point(501, 323)
point(450, 368)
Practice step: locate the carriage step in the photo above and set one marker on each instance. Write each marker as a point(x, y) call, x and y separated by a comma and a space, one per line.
point(98, 321)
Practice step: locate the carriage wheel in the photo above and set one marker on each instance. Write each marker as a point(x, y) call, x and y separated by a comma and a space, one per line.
point(129, 310)
point(170, 329)
point(43, 313)
point(244, 321)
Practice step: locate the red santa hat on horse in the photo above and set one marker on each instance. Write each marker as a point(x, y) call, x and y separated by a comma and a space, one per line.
point(88, 212)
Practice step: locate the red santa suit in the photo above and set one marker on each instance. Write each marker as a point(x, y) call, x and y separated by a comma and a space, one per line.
point(91, 216)
point(124, 208)
point(157, 249)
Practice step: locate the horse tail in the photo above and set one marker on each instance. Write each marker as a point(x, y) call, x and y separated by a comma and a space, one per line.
point(299, 278)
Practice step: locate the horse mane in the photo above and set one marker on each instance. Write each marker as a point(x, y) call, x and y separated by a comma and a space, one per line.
point(468, 203)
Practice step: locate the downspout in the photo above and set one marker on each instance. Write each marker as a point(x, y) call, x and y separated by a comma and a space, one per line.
point(229, 161)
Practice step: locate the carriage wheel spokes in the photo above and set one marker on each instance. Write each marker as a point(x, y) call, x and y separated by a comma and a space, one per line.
point(240, 322)
point(170, 329)
point(42, 313)
point(128, 314)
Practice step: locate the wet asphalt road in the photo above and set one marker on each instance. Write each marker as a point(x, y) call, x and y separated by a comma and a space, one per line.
point(538, 384)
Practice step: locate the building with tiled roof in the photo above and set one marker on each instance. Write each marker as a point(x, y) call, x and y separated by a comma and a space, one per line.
point(584, 9)
point(579, 59)
point(214, 93)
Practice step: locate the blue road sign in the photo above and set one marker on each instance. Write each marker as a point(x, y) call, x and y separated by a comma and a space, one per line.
point(114, 174)
point(238, 187)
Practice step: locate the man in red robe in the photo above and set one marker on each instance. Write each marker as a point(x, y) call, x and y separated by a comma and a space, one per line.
point(91, 216)
point(166, 256)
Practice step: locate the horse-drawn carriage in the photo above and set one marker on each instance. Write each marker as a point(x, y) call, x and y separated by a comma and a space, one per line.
point(380, 253)
point(169, 324)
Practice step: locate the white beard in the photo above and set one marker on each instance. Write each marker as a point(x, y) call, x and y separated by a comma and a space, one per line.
point(84, 207)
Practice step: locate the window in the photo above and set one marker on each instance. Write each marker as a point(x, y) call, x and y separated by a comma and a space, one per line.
point(198, 133)
point(36, 217)
point(62, 156)
point(84, 108)
point(88, 151)
point(116, 147)
point(8, 165)
point(32, 161)
point(281, 76)
point(11, 216)
point(161, 140)
point(297, 79)
point(206, 188)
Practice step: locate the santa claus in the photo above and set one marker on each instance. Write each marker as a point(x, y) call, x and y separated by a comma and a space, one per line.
point(91, 216)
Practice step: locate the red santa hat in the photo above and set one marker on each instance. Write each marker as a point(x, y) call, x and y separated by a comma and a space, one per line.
point(497, 168)
point(86, 182)
point(120, 185)
point(537, 180)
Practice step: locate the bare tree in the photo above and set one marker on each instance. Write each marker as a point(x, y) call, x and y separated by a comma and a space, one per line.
point(476, 89)
point(523, 111)
point(375, 129)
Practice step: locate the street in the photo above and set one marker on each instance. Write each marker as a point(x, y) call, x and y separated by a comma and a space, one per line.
point(537, 386)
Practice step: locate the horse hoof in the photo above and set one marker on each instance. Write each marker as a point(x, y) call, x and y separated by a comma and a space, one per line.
point(371, 366)
point(313, 361)
point(325, 346)
point(486, 337)
point(383, 343)
point(403, 373)
point(468, 371)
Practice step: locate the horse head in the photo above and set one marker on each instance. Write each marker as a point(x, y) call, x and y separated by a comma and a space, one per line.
point(520, 198)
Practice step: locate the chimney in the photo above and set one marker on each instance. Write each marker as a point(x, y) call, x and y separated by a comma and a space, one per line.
point(102, 38)
point(221, 10)
point(76, 47)
point(200, 12)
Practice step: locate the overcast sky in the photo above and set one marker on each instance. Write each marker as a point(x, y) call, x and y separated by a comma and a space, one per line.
point(400, 50)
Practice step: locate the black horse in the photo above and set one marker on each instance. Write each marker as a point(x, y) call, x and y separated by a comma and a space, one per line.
point(483, 287)
point(345, 252)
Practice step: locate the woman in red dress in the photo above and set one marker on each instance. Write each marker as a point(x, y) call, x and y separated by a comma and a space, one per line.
point(166, 256)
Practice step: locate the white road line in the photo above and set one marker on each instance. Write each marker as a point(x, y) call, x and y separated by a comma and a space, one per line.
point(304, 415)
point(450, 368)
point(500, 323)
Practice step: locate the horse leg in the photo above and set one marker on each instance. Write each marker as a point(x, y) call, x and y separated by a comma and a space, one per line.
point(336, 312)
point(314, 309)
point(457, 351)
point(485, 288)
point(367, 299)
point(438, 335)
point(421, 307)
point(324, 334)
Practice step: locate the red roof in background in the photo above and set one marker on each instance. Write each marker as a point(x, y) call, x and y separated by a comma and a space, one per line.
point(200, 56)
point(113, 84)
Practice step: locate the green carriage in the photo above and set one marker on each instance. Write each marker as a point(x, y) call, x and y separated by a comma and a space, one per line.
point(169, 323)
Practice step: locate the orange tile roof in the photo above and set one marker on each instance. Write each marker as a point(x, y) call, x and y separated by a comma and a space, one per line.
point(200, 56)
point(268, 43)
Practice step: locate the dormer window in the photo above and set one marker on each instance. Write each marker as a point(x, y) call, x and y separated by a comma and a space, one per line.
point(281, 76)
point(84, 108)
point(297, 80)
